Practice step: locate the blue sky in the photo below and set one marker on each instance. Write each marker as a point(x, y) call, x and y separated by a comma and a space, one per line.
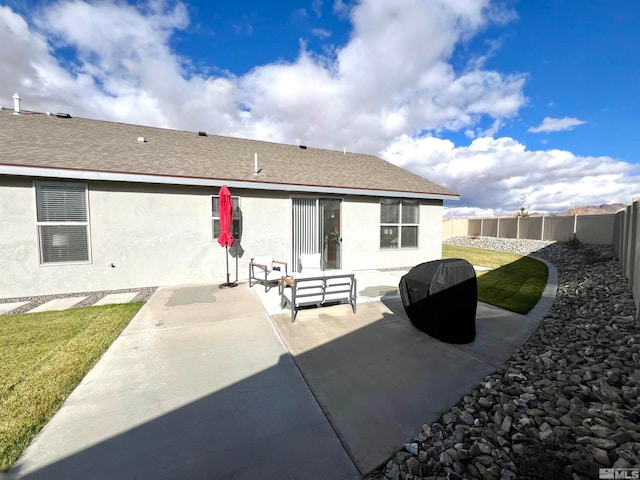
point(509, 103)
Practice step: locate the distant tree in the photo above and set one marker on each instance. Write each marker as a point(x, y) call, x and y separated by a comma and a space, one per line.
point(522, 212)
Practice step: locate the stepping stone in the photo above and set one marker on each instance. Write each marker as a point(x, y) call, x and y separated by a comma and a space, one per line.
point(116, 298)
point(58, 304)
point(7, 307)
point(481, 269)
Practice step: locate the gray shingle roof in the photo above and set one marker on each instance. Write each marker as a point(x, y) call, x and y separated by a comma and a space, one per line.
point(44, 141)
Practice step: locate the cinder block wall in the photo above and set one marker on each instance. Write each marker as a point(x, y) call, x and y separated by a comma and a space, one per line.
point(455, 227)
point(621, 230)
point(595, 229)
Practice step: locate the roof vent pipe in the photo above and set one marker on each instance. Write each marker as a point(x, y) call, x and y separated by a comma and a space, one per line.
point(255, 168)
point(16, 104)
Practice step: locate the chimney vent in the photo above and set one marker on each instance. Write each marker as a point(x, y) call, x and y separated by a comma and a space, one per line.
point(16, 104)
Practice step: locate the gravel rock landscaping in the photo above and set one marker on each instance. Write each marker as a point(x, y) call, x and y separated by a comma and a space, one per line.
point(567, 402)
point(91, 298)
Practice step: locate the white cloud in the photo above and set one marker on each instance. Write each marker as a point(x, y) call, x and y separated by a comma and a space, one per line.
point(316, 7)
point(557, 124)
point(341, 9)
point(468, 212)
point(321, 33)
point(124, 69)
point(25, 62)
point(494, 174)
point(352, 101)
point(300, 14)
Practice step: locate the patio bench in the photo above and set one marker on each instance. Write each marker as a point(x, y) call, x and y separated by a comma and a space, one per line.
point(329, 287)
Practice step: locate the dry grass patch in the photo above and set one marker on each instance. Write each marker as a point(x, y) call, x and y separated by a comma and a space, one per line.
point(43, 357)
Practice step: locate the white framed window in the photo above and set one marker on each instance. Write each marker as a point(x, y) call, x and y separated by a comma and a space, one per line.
point(236, 227)
point(62, 221)
point(399, 222)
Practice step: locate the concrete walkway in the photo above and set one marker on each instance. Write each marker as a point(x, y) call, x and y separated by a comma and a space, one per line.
point(198, 386)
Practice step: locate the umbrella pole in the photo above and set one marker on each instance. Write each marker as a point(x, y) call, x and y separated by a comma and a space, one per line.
point(228, 284)
point(227, 257)
point(226, 248)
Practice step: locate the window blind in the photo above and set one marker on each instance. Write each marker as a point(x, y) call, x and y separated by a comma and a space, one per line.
point(62, 219)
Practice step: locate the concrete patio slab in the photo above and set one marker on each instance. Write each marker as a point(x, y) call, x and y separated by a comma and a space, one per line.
point(378, 378)
point(114, 298)
point(198, 386)
point(57, 304)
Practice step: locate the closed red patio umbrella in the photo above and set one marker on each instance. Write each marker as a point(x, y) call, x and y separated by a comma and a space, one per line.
point(226, 220)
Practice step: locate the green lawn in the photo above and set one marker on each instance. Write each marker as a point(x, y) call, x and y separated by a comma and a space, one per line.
point(515, 282)
point(43, 357)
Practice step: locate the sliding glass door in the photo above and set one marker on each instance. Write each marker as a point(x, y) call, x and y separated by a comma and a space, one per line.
point(330, 233)
point(317, 229)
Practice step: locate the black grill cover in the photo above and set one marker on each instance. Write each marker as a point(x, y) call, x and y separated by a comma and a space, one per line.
point(440, 298)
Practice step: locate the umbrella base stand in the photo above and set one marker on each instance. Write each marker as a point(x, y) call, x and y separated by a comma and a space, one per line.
point(228, 284)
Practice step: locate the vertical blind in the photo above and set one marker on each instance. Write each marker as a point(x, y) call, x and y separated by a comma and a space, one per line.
point(305, 228)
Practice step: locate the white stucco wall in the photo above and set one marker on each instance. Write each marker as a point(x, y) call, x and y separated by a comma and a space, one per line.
point(161, 235)
point(266, 227)
point(153, 236)
point(18, 249)
point(361, 236)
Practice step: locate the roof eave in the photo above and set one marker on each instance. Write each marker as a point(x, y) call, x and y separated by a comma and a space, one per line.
point(69, 174)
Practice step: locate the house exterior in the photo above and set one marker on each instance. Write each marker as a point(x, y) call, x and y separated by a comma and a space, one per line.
point(90, 205)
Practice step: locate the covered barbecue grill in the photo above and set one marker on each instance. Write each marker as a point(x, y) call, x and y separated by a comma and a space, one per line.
point(440, 298)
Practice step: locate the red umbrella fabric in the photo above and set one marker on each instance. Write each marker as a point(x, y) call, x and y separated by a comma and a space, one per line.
point(226, 218)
